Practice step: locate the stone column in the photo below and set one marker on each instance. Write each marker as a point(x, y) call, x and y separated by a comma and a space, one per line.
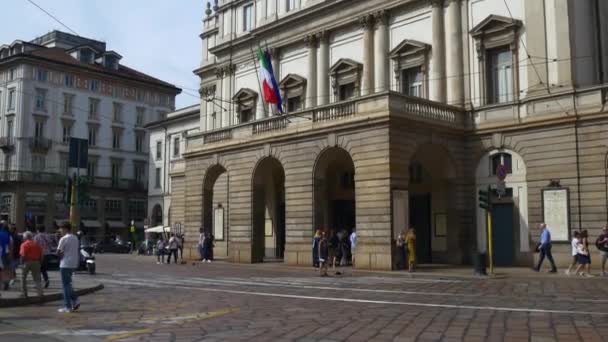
point(226, 96)
point(209, 106)
point(323, 69)
point(455, 78)
point(437, 75)
point(367, 82)
point(203, 109)
point(311, 77)
point(381, 46)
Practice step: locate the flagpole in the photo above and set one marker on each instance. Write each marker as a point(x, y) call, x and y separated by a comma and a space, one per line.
point(257, 75)
point(273, 74)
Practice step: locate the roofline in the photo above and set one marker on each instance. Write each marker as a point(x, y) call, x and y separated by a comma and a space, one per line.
point(52, 61)
point(190, 111)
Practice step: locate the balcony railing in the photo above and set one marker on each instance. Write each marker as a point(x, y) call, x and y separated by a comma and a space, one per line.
point(335, 111)
point(268, 125)
point(40, 143)
point(7, 143)
point(430, 110)
point(220, 135)
point(31, 176)
point(121, 184)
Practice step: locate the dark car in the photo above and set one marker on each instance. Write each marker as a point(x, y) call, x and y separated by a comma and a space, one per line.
point(112, 247)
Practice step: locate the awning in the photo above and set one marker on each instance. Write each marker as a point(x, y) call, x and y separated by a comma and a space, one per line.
point(116, 224)
point(91, 223)
point(158, 229)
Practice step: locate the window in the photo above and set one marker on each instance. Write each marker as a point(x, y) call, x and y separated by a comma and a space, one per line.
point(500, 75)
point(11, 99)
point(141, 112)
point(93, 108)
point(137, 209)
point(113, 206)
point(7, 162)
point(117, 112)
point(139, 142)
point(176, 147)
point(248, 18)
point(294, 104)
point(138, 170)
point(346, 91)
point(39, 129)
point(502, 159)
point(411, 82)
point(139, 95)
point(157, 178)
point(94, 85)
point(92, 169)
point(38, 163)
point(41, 99)
point(116, 173)
point(42, 75)
point(293, 89)
point(63, 164)
point(116, 133)
point(161, 115)
point(67, 132)
point(91, 205)
point(214, 123)
point(85, 56)
point(159, 150)
point(290, 5)
point(246, 115)
point(68, 80)
point(92, 136)
point(68, 104)
point(12, 74)
point(9, 129)
point(246, 103)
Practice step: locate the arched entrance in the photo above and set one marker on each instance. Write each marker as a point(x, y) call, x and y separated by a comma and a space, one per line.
point(157, 215)
point(334, 191)
point(268, 211)
point(509, 208)
point(215, 207)
point(430, 207)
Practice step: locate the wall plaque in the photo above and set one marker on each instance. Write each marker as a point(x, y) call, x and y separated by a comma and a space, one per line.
point(556, 212)
point(218, 224)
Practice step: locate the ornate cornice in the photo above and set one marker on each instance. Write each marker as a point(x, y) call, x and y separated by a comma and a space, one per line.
point(310, 41)
point(436, 3)
point(381, 18)
point(366, 21)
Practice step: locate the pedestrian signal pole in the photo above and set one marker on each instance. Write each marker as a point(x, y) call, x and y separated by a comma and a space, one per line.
point(486, 204)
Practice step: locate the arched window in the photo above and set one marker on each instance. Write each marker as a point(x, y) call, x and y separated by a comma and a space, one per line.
point(501, 159)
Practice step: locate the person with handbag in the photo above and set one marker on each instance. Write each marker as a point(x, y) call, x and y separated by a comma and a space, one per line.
point(574, 243)
point(602, 245)
point(545, 249)
point(173, 248)
point(584, 259)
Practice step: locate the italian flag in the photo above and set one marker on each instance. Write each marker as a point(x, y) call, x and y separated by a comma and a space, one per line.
point(269, 83)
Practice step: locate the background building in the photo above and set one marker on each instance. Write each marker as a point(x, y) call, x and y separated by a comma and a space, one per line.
point(399, 112)
point(167, 145)
point(59, 86)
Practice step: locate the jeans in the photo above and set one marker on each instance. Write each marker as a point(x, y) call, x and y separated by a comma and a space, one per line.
point(34, 268)
point(44, 266)
point(545, 250)
point(403, 250)
point(69, 296)
point(160, 255)
point(201, 252)
point(174, 253)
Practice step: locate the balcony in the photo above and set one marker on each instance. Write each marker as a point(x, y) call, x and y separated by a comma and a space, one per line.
point(7, 143)
point(40, 144)
point(119, 184)
point(31, 177)
point(358, 111)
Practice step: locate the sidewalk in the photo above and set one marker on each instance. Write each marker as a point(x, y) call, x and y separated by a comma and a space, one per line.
point(83, 284)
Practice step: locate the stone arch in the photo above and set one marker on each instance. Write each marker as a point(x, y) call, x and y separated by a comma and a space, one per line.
point(215, 201)
point(268, 234)
point(510, 210)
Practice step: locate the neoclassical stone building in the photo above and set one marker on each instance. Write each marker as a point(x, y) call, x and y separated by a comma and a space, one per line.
point(398, 112)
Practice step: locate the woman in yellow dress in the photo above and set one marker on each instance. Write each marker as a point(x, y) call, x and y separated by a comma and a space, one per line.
point(410, 239)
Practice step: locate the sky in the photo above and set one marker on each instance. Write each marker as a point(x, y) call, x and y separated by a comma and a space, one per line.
point(159, 38)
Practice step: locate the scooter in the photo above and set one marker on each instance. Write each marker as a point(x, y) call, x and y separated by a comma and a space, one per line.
point(87, 260)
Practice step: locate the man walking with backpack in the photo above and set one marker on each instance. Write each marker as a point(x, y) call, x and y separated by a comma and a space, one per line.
point(602, 244)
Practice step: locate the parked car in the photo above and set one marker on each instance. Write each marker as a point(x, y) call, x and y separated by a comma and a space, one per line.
point(112, 247)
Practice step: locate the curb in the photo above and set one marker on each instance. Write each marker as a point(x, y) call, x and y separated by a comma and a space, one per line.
point(13, 302)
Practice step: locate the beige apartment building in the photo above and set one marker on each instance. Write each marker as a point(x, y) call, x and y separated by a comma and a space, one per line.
point(398, 113)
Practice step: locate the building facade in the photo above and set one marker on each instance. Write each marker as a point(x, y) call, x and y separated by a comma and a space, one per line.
point(398, 113)
point(167, 145)
point(60, 86)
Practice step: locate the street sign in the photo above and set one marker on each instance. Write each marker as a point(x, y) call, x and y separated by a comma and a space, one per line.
point(501, 172)
point(501, 188)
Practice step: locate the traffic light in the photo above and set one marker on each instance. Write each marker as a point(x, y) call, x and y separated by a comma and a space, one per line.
point(484, 199)
point(67, 190)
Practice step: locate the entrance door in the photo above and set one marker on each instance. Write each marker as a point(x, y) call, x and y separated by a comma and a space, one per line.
point(420, 219)
point(343, 215)
point(281, 232)
point(502, 231)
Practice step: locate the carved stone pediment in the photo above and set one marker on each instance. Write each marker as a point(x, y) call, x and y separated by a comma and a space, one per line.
point(345, 65)
point(244, 95)
point(496, 30)
point(409, 47)
point(291, 81)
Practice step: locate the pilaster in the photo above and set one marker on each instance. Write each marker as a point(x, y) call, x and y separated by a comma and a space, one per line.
point(311, 82)
point(323, 69)
point(367, 84)
point(455, 64)
point(381, 47)
point(437, 74)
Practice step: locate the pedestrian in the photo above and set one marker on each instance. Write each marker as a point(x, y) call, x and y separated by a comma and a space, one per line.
point(574, 244)
point(201, 244)
point(31, 257)
point(402, 250)
point(209, 239)
point(545, 249)
point(160, 250)
point(323, 254)
point(353, 245)
point(68, 251)
point(334, 250)
point(584, 258)
point(173, 248)
point(315, 248)
point(44, 241)
point(182, 241)
point(17, 239)
point(5, 255)
point(602, 245)
point(410, 240)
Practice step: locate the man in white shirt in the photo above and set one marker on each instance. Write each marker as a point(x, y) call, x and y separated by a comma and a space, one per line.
point(353, 245)
point(574, 244)
point(68, 251)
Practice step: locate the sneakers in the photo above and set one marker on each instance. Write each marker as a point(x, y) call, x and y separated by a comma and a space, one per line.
point(76, 305)
point(11, 282)
point(64, 310)
point(158, 262)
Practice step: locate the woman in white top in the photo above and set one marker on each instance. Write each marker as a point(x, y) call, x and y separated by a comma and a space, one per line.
point(574, 243)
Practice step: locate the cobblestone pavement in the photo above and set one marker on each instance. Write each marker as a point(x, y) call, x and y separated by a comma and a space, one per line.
point(143, 301)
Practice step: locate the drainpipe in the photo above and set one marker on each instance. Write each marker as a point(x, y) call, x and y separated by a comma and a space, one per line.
point(578, 164)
